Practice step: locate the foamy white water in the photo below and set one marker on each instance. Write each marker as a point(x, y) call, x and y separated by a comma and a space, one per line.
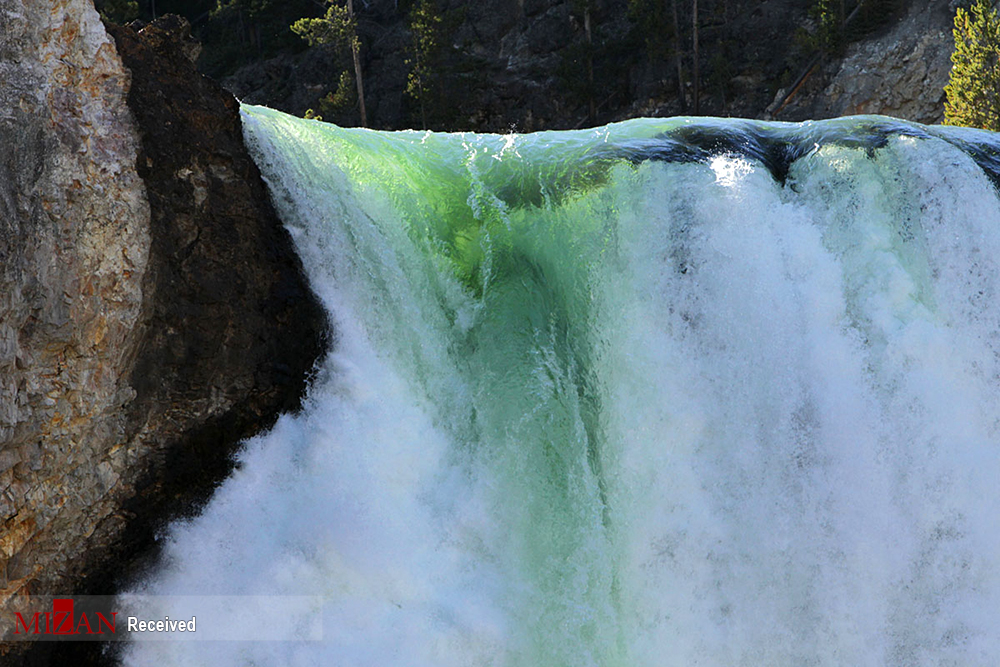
point(660, 393)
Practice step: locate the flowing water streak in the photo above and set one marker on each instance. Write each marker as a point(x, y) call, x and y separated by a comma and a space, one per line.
point(658, 393)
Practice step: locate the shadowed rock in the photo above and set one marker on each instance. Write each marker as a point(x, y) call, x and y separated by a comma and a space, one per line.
point(153, 310)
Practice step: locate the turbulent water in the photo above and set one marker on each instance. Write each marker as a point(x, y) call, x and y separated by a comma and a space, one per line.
point(660, 393)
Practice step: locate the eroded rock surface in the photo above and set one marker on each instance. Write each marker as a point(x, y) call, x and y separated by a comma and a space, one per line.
point(152, 310)
point(74, 250)
point(231, 329)
point(900, 73)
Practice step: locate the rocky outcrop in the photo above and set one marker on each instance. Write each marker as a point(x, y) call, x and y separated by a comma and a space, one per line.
point(900, 73)
point(152, 310)
point(74, 253)
point(230, 328)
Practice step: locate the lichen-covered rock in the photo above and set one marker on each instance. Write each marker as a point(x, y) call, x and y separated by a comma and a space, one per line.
point(153, 312)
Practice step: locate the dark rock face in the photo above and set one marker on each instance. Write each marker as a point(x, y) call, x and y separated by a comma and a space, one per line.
point(500, 63)
point(231, 330)
point(153, 312)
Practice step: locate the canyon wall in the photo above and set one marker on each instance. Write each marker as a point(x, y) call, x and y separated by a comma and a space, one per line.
point(901, 72)
point(73, 255)
point(152, 309)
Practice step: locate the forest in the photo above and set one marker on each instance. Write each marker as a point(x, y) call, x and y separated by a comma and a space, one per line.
point(539, 64)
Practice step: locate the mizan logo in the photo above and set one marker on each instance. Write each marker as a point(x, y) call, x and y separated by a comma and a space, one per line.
point(61, 621)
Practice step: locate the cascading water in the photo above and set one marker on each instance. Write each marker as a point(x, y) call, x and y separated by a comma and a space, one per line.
point(666, 392)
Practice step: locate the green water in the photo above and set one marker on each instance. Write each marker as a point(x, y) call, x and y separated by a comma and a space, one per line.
point(666, 392)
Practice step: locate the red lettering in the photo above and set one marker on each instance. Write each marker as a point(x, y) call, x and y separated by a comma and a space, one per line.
point(18, 617)
point(62, 612)
point(84, 622)
point(60, 621)
point(110, 626)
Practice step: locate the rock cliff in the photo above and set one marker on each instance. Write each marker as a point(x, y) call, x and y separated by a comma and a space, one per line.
point(900, 73)
point(230, 329)
point(152, 310)
point(74, 252)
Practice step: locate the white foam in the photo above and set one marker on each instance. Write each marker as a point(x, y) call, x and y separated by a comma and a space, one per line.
point(731, 423)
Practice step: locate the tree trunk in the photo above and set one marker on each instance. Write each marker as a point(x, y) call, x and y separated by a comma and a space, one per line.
point(678, 56)
point(357, 65)
point(244, 34)
point(591, 111)
point(843, 22)
point(697, 83)
point(423, 106)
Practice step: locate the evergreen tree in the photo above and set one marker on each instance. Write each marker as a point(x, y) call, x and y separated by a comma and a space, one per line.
point(238, 32)
point(973, 90)
point(338, 26)
point(334, 102)
point(118, 11)
point(424, 24)
point(829, 17)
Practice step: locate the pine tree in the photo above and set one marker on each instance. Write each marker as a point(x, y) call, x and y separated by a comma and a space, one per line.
point(338, 26)
point(829, 17)
point(973, 90)
point(424, 23)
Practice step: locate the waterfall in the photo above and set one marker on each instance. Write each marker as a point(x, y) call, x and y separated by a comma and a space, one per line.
point(665, 392)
